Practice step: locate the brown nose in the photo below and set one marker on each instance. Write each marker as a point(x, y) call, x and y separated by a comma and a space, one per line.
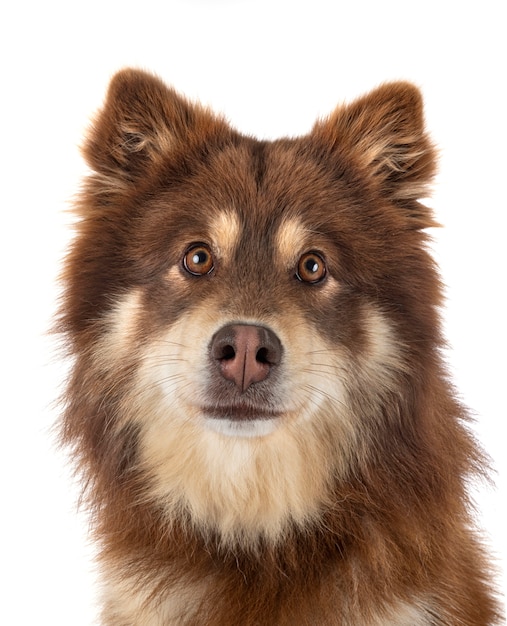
point(245, 353)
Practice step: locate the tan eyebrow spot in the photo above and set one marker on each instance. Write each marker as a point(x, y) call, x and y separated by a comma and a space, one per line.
point(224, 231)
point(290, 239)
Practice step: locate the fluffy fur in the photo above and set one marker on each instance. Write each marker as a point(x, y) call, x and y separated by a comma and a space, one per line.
point(325, 482)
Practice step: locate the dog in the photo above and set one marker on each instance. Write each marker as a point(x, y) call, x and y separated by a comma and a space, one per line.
point(258, 404)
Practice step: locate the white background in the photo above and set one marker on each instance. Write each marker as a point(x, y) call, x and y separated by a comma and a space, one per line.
point(272, 67)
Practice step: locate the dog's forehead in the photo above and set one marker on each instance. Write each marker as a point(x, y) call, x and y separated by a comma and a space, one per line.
point(273, 198)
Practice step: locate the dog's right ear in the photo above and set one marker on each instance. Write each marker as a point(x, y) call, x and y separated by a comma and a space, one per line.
point(141, 123)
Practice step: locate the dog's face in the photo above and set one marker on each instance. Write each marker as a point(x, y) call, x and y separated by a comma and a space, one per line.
point(254, 304)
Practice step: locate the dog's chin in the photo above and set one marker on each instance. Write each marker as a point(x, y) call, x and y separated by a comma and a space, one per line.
point(250, 428)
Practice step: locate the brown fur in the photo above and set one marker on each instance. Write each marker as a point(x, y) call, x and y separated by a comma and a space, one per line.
point(354, 514)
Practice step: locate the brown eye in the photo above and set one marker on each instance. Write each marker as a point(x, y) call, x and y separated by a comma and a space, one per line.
point(198, 260)
point(311, 268)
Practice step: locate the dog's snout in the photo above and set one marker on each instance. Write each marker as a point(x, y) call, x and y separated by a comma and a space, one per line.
point(245, 354)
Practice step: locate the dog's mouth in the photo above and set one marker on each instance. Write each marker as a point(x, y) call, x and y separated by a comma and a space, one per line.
point(240, 412)
point(241, 420)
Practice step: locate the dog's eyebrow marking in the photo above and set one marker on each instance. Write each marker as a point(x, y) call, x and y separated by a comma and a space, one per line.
point(291, 239)
point(224, 231)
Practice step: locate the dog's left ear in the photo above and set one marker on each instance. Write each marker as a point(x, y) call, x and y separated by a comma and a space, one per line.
point(383, 134)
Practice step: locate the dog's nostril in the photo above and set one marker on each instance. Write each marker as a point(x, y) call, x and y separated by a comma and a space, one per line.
point(227, 352)
point(262, 356)
point(245, 354)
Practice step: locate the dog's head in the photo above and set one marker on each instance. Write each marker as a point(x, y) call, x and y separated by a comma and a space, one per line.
point(244, 313)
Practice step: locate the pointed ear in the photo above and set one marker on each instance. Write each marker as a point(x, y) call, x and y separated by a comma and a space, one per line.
point(383, 133)
point(142, 122)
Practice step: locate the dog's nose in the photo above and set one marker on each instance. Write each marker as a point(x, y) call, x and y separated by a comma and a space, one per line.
point(245, 354)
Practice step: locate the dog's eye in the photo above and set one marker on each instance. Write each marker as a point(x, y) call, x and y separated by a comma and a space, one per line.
point(311, 268)
point(198, 260)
